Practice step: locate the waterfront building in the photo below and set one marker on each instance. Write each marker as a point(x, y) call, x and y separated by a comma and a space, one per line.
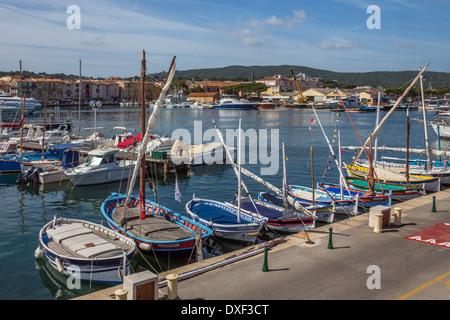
point(317, 95)
point(204, 96)
point(218, 86)
point(130, 90)
point(279, 83)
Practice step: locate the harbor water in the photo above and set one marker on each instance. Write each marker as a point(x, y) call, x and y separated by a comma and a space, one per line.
point(26, 208)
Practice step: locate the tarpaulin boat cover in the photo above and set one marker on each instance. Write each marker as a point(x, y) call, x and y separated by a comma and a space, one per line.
point(129, 141)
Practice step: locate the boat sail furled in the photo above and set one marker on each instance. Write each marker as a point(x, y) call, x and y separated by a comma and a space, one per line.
point(430, 178)
point(152, 226)
point(228, 221)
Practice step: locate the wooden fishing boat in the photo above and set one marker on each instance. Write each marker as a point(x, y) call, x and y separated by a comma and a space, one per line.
point(344, 204)
point(88, 250)
point(279, 219)
point(154, 227)
point(399, 192)
point(321, 212)
point(225, 220)
point(426, 182)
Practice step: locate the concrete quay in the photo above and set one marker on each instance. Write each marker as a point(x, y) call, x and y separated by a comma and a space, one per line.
point(357, 264)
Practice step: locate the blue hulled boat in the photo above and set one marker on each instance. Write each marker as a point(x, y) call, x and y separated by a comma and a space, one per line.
point(226, 220)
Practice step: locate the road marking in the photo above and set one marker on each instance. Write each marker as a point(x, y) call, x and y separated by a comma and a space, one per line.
point(404, 297)
point(448, 287)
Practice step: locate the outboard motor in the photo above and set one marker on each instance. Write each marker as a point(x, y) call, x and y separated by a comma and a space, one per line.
point(30, 175)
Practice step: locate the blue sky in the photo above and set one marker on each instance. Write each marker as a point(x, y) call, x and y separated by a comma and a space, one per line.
point(326, 34)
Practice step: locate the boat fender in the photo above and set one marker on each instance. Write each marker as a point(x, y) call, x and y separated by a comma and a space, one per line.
point(59, 265)
point(38, 253)
point(145, 246)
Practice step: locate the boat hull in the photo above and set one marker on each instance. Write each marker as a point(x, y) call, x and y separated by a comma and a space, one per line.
point(400, 193)
point(108, 270)
point(180, 245)
point(235, 106)
point(52, 176)
point(98, 176)
point(416, 181)
point(291, 222)
point(10, 166)
point(222, 219)
point(343, 205)
point(323, 213)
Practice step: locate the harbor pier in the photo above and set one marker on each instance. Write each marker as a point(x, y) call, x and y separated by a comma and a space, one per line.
point(409, 260)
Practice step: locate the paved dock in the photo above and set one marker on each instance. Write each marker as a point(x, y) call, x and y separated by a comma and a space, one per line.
point(357, 264)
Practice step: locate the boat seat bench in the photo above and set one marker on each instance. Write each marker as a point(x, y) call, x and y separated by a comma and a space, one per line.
point(81, 240)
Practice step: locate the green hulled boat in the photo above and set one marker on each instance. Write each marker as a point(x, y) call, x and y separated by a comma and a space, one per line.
point(399, 192)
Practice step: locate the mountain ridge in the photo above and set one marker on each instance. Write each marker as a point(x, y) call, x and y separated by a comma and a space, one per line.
point(385, 79)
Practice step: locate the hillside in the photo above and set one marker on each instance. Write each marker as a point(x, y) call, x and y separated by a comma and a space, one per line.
point(384, 79)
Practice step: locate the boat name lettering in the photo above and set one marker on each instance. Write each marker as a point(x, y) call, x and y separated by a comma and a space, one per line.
point(175, 245)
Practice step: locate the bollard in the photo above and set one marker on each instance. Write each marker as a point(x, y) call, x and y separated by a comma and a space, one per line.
point(265, 268)
point(121, 294)
point(330, 241)
point(398, 216)
point(172, 286)
point(378, 223)
point(433, 209)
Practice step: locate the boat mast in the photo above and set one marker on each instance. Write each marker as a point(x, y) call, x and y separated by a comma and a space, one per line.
point(389, 113)
point(331, 150)
point(376, 135)
point(407, 147)
point(285, 181)
point(341, 179)
point(371, 181)
point(312, 177)
point(22, 102)
point(142, 178)
point(427, 144)
point(150, 126)
point(79, 105)
point(45, 113)
point(239, 172)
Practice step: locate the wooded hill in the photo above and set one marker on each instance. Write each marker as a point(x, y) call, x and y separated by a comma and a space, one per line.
point(383, 79)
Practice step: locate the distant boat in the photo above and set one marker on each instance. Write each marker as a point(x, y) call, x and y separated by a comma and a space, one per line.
point(266, 105)
point(91, 251)
point(11, 106)
point(233, 103)
point(351, 103)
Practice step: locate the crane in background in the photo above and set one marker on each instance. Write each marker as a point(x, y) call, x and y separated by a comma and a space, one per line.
point(301, 102)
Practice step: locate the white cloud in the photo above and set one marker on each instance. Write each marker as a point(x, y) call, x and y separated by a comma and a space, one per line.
point(337, 44)
point(403, 44)
point(273, 20)
point(298, 17)
point(253, 32)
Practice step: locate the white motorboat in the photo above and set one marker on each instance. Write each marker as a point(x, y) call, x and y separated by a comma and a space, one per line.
point(234, 103)
point(100, 166)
